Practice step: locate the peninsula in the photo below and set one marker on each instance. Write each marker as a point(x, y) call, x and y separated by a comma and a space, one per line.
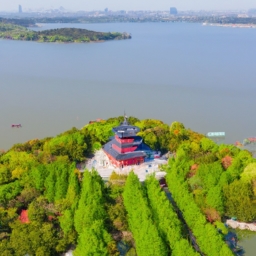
point(64, 35)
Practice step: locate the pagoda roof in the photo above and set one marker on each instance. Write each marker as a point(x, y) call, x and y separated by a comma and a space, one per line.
point(123, 156)
point(137, 141)
point(141, 146)
point(125, 129)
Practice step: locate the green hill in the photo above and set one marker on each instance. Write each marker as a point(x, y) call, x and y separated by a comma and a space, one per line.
point(48, 206)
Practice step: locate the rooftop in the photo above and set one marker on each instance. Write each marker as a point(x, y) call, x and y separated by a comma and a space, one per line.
point(125, 129)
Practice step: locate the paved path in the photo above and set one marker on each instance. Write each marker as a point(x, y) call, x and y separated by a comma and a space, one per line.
point(142, 170)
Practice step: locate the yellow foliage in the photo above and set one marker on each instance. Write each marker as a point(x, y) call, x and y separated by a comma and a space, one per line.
point(195, 147)
point(116, 176)
point(249, 172)
point(17, 173)
point(78, 173)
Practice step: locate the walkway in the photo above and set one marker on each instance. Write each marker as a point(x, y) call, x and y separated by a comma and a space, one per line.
point(142, 170)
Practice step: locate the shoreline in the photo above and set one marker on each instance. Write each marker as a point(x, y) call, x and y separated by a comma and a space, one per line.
point(241, 225)
point(63, 42)
point(230, 25)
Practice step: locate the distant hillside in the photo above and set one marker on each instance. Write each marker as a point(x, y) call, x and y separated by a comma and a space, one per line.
point(25, 22)
point(65, 35)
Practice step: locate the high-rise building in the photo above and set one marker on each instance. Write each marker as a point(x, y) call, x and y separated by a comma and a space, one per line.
point(173, 11)
point(20, 9)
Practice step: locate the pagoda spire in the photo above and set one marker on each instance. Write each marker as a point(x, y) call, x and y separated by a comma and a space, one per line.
point(125, 122)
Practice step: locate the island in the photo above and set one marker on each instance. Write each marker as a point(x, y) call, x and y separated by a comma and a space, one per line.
point(63, 35)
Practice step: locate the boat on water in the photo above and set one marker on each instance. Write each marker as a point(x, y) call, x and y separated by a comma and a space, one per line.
point(16, 126)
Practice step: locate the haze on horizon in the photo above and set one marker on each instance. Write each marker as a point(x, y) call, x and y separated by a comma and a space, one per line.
point(114, 5)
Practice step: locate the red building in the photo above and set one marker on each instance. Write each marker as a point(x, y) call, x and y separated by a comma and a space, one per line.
point(126, 148)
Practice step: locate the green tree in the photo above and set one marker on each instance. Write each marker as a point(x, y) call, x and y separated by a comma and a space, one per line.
point(5, 174)
point(147, 238)
point(155, 134)
point(239, 200)
point(37, 211)
point(32, 239)
point(242, 159)
point(67, 221)
point(73, 191)
point(165, 217)
point(89, 217)
point(210, 174)
point(193, 216)
point(7, 216)
point(50, 182)
point(178, 134)
point(215, 199)
point(71, 143)
point(93, 240)
point(61, 184)
point(183, 248)
point(207, 144)
point(9, 191)
point(249, 172)
point(91, 203)
point(38, 175)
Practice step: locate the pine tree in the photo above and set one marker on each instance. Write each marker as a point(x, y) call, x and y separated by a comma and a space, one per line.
point(49, 184)
point(166, 218)
point(90, 215)
point(147, 238)
point(61, 185)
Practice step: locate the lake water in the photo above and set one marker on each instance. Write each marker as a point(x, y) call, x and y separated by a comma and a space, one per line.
point(247, 240)
point(249, 245)
point(202, 76)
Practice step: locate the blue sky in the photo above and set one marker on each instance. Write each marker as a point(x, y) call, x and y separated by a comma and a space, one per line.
point(88, 5)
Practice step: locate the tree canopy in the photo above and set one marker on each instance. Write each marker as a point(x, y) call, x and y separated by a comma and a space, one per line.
point(67, 208)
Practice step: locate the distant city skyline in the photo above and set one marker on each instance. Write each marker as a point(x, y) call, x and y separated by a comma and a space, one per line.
point(114, 5)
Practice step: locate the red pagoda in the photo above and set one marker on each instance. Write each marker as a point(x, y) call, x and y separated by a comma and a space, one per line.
point(126, 148)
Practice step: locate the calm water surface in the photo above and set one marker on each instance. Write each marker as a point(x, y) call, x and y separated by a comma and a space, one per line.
point(249, 245)
point(200, 75)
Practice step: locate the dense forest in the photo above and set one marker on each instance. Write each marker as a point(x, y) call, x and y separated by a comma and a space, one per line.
point(48, 206)
point(66, 35)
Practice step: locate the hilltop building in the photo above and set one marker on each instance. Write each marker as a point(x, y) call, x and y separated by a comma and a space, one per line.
point(126, 148)
point(173, 11)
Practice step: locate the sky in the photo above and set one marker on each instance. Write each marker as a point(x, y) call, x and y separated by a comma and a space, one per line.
point(89, 5)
